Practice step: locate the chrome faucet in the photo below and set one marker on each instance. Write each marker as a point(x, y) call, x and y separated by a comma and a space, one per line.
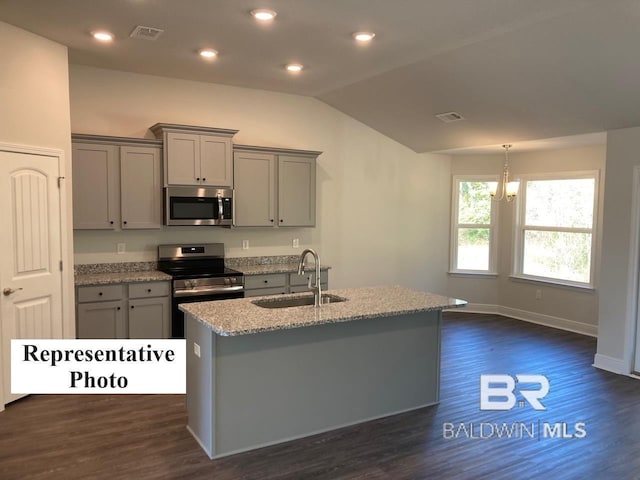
point(317, 293)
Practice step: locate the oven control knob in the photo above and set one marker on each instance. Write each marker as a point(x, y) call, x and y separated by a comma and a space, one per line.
point(227, 281)
point(234, 280)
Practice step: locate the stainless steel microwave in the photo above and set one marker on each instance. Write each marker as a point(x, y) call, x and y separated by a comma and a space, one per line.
point(198, 206)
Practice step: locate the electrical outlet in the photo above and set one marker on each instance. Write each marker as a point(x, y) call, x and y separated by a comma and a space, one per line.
point(196, 349)
point(538, 294)
point(245, 244)
point(121, 248)
point(296, 243)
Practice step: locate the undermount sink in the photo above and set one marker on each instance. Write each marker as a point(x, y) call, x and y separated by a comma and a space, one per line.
point(288, 302)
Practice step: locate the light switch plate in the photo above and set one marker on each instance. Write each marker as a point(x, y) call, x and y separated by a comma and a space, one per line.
point(196, 349)
point(245, 244)
point(296, 243)
point(121, 248)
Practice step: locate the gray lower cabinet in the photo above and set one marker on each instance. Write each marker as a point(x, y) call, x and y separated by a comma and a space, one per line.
point(280, 283)
point(148, 318)
point(140, 310)
point(149, 310)
point(117, 183)
point(266, 284)
point(274, 187)
point(102, 320)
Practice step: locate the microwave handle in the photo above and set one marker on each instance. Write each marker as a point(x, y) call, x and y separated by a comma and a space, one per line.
point(220, 208)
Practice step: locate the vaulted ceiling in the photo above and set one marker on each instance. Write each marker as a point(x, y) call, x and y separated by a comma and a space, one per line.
point(516, 70)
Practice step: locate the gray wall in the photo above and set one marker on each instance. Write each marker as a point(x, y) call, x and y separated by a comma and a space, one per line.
point(566, 307)
point(381, 207)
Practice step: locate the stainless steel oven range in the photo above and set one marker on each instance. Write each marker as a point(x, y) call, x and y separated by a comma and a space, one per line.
point(199, 275)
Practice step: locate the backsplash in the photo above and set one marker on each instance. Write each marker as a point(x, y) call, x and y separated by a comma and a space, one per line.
point(93, 268)
point(118, 267)
point(266, 260)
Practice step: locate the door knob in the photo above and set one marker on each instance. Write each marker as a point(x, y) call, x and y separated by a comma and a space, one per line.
point(8, 291)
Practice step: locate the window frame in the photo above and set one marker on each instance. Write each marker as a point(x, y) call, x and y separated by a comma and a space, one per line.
point(521, 228)
point(455, 227)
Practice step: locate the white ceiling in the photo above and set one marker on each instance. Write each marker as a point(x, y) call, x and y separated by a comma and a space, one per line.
point(517, 70)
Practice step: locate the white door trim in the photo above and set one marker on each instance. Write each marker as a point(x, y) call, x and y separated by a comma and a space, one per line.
point(66, 240)
point(632, 330)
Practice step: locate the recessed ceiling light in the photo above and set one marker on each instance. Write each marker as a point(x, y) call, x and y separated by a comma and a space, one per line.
point(294, 67)
point(208, 53)
point(263, 14)
point(102, 36)
point(364, 37)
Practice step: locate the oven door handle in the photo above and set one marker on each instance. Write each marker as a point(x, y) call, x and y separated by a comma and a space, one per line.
point(207, 291)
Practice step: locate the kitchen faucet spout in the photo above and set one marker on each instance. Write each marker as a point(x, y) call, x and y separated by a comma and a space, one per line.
point(317, 292)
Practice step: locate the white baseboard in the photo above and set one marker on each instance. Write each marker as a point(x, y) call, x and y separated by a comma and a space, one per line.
point(532, 317)
point(610, 364)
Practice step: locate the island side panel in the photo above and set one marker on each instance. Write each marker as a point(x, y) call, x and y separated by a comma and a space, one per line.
point(279, 385)
point(200, 383)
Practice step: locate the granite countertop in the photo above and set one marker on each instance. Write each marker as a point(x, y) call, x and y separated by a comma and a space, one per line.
point(273, 268)
point(85, 279)
point(241, 316)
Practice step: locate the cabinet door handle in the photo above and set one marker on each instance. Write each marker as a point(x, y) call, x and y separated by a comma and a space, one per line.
point(198, 179)
point(148, 290)
point(281, 220)
point(99, 294)
point(271, 220)
point(132, 307)
point(204, 179)
point(111, 222)
point(125, 222)
point(266, 281)
point(118, 308)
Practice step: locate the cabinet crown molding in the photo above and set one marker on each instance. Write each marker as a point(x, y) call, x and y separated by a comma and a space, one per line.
point(160, 128)
point(109, 140)
point(274, 150)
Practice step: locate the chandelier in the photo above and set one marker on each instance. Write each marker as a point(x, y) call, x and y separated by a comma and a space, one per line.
point(508, 189)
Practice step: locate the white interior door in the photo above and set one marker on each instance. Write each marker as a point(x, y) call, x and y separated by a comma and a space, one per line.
point(30, 245)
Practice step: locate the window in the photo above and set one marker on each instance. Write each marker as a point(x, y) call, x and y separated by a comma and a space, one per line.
point(473, 226)
point(555, 233)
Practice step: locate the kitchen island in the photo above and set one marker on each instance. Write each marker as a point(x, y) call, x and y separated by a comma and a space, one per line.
point(258, 376)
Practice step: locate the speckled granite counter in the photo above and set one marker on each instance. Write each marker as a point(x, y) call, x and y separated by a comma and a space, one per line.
point(242, 316)
point(376, 354)
point(119, 277)
point(273, 268)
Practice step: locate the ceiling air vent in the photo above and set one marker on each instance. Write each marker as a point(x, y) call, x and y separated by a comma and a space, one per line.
point(450, 117)
point(146, 33)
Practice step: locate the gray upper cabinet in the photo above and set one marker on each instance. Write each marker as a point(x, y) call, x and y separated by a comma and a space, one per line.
point(296, 191)
point(141, 187)
point(117, 183)
point(196, 155)
point(274, 187)
point(95, 186)
point(255, 189)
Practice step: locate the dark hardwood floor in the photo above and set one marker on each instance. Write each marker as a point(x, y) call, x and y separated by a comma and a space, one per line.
point(144, 436)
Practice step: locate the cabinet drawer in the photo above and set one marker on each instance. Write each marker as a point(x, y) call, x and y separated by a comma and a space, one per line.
point(148, 289)
point(265, 281)
point(295, 279)
point(265, 291)
point(100, 293)
point(303, 288)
